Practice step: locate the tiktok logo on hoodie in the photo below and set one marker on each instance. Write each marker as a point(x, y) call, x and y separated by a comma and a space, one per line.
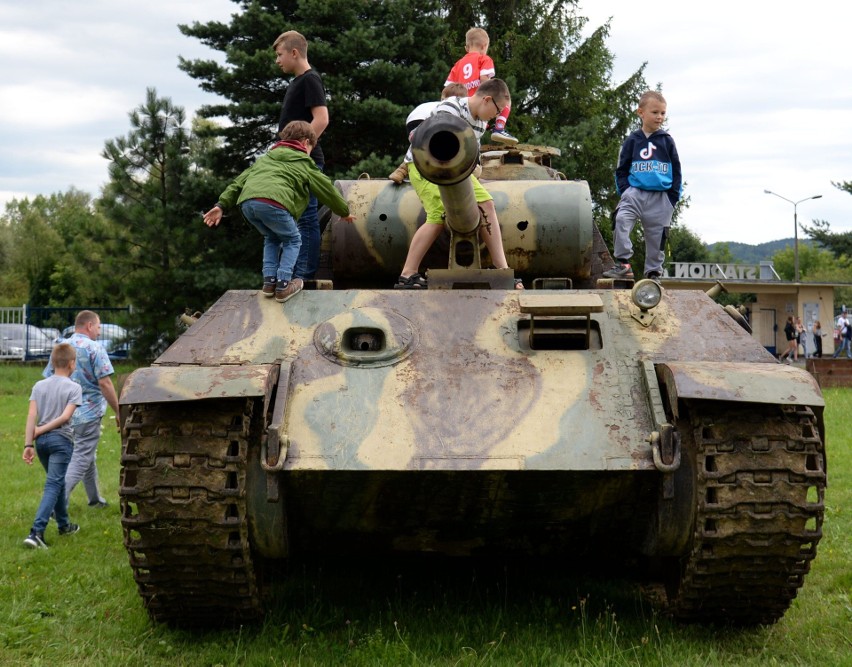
point(647, 153)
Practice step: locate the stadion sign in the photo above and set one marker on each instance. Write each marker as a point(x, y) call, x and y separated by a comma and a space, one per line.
point(715, 271)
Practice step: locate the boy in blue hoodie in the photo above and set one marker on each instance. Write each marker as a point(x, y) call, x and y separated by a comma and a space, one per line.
point(272, 194)
point(648, 178)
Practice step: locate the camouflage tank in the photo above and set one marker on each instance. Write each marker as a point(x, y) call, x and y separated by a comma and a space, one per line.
point(471, 418)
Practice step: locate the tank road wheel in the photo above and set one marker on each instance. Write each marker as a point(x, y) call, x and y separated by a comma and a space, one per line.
point(183, 506)
point(760, 484)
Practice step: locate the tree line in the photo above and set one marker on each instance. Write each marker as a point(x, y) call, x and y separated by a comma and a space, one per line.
point(141, 241)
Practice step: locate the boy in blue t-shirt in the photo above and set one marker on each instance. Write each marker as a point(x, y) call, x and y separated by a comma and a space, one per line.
point(648, 178)
point(48, 434)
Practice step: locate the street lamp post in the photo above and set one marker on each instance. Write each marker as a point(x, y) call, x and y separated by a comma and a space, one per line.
point(795, 227)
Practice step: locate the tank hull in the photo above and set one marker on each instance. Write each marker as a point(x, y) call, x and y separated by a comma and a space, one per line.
point(467, 422)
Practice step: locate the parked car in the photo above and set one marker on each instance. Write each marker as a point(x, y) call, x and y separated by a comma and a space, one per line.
point(113, 337)
point(23, 341)
point(55, 335)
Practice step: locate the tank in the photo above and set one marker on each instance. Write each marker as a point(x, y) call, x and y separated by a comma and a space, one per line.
point(581, 417)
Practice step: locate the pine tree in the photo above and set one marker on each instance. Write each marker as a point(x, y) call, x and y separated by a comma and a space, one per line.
point(160, 251)
point(377, 58)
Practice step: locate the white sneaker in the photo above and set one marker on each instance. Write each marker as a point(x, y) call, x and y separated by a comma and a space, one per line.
point(503, 137)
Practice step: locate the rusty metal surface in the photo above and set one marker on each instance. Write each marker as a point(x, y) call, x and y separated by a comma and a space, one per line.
point(184, 511)
point(191, 383)
point(466, 393)
point(445, 420)
point(739, 382)
point(547, 229)
point(760, 499)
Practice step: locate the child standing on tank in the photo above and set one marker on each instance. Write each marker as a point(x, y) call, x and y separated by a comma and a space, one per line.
point(475, 68)
point(648, 178)
point(272, 194)
point(475, 111)
point(49, 435)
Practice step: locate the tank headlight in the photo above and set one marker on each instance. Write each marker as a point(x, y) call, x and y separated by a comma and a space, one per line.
point(646, 294)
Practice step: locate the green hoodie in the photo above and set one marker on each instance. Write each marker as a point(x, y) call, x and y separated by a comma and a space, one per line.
point(288, 176)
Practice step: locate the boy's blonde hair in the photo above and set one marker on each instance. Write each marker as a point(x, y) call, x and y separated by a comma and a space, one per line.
point(454, 90)
point(476, 37)
point(292, 40)
point(298, 130)
point(649, 95)
point(497, 88)
point(62, 355)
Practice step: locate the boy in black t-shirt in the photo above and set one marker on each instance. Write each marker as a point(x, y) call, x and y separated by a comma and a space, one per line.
point(304, 100)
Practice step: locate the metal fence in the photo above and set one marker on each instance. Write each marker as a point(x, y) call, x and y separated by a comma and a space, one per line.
point(28, 333)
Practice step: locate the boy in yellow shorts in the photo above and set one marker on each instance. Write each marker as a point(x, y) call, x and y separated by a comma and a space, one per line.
point(476, 111)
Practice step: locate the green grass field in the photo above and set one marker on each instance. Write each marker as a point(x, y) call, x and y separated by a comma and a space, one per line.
point(76, 604)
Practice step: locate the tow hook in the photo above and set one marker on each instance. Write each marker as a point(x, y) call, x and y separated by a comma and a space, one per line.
point(665, 447)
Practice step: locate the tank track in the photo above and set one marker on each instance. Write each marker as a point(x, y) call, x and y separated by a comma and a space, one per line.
point(760, 503)
point(183, 511)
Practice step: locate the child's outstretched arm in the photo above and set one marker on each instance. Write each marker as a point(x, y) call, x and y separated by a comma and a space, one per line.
point(213, 217)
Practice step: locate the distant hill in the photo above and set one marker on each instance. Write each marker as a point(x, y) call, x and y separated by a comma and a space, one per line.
point(752, 254)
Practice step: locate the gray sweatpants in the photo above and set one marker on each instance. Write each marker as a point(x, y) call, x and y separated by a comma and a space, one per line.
point(82, 466)
point(654, 211)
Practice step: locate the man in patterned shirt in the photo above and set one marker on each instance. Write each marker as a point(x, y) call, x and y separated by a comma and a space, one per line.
point(476, 111)
point(94, 374)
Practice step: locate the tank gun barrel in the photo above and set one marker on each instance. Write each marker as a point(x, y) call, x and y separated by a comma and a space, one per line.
point(445, 152)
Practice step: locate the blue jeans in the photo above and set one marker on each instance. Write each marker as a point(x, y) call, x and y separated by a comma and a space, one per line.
point(54, 452)
point(845, 345)
point(308, 262)
point(281, 239)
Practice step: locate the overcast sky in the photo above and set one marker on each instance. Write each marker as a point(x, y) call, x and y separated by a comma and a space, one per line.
point(759, 96)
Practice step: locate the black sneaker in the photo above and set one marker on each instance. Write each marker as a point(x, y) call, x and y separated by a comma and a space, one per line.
point(653, 275)
point(99, 504)
point(70, 529)
point(414, 281)
point(623, 271)
point(35, 541)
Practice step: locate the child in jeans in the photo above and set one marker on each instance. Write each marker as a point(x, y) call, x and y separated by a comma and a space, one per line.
point(272, 194)
point(48, 434)
point(648, 179)
point(474, 69)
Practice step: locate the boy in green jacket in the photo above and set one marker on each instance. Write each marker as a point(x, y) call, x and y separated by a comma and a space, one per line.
point(272, 194)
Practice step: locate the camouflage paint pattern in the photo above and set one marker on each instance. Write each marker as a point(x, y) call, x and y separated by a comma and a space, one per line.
point(547, 229)
point(453, 383)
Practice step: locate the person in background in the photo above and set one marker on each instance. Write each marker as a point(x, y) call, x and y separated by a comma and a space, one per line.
point(818, 336)
point(802, 336)
point(94, 374)
point(48, 433)
point(792, 352)
point(845, 330)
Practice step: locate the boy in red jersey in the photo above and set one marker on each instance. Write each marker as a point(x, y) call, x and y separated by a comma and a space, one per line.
point(472, 70)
